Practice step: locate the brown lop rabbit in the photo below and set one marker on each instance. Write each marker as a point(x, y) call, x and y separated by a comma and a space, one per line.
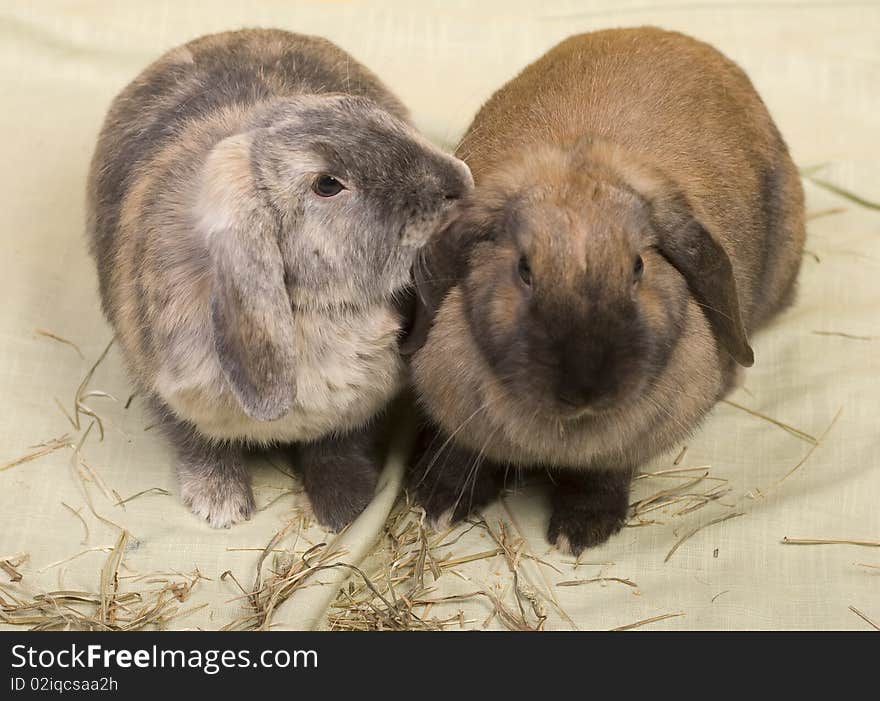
point(256, 201)
point(636, 217)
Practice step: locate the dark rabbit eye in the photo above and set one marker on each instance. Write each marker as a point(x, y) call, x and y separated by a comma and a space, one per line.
point(327, 186)
point(524, 271)
point(638, 268)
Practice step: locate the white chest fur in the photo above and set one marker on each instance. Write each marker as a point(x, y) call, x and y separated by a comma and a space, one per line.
point(348, 367)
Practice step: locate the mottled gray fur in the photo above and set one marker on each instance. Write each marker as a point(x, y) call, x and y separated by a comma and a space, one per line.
point(249, 308)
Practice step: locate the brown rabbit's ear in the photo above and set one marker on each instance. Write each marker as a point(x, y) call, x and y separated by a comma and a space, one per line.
point(250, 308)
point(705, 265)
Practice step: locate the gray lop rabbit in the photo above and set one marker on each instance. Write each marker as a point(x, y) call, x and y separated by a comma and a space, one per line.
point(255, 202)
point(636, 217)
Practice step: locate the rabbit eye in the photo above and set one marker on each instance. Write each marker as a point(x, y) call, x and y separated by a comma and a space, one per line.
point(327, 186)
point(524, 271)
point(638, 269)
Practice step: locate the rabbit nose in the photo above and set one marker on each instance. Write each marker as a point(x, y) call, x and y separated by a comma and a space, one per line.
point(579, 398)
point(586, 382)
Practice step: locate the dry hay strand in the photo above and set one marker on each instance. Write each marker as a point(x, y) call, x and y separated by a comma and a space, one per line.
point(693, 532)
point(646, 621)
point(10, 566)
point(278, 497)
point(39, 450)
point(70, 558)
point(60, 339)
point(76, 512)
point(513, 553)
point(842, 192)
point(388, 597)
point(824, 213)
point(151, 490)
point(82, 393)
point(289, 572)
point(875, 626)
point(809, 173)
point(682, 494)
point(83, 470)
point(802, 461)
point(528, 554)
point(841, 334)
point(798, 433)
point(830, 541)
point(86, 475)
point(109, 608)
point(397, 593)
point(593, 580)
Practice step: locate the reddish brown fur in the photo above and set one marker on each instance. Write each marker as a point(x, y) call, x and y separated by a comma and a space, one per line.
point(682, 106)
point(613, 144)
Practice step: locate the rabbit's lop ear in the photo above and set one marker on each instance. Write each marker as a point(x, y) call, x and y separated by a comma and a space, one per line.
point(439, 267)
point(250, 307)
point(705, 265)
point(434, 274)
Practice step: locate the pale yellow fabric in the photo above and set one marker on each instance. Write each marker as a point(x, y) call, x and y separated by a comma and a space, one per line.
point(817, 65)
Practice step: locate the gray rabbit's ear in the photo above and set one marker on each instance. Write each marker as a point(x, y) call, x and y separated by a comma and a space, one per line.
point(707, 268)
point(250, 307)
